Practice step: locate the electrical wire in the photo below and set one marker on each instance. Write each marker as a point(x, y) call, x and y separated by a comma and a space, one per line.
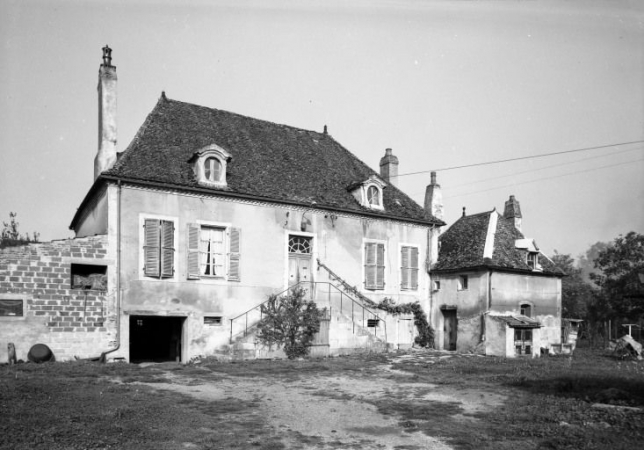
point(585, 149)
point(542, 179)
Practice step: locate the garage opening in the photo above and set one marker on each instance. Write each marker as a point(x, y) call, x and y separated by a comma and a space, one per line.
point(155, 339)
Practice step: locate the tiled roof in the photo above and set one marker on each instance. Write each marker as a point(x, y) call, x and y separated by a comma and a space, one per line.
point(462, 246)
point(518, 321)
point(269, 162)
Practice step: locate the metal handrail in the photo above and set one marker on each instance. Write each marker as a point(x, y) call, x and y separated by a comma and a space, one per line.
point(311, 283)
point(259, 306)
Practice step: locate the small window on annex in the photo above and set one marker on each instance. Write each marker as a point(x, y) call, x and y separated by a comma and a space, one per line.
point(213, 321)
point(526, 310)
point(533, 260)
point(11, 308)
point(463, 283)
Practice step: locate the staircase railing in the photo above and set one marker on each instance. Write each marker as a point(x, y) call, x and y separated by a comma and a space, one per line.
point(335, 299)
point(258, 308)
point(346, 286)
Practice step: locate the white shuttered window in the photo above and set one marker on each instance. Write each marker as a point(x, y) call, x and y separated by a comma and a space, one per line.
point(409, 268)
point(374, 267)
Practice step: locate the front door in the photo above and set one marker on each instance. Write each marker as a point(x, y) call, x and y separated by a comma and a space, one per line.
point(449, 329)
point(299, 261)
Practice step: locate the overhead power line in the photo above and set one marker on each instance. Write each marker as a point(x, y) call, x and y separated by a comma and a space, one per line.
point(541, 179)
point(585, 149)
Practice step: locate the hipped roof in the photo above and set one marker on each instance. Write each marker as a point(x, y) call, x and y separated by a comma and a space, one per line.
point(270, 162)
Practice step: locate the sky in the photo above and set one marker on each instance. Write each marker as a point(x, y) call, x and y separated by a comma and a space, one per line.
point(443, 83)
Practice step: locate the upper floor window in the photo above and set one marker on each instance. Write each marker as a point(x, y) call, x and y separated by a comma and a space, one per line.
point(526, 310)
point(209, 165)
point(158, 248)
point(463, 283)
point(213, 252)
point(374, 265)
point(409, 268)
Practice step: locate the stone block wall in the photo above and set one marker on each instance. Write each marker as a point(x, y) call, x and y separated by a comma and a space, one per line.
point(71, 320)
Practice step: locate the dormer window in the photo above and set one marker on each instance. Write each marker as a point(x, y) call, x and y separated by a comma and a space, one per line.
point(209, 165)
point(373, 196)
point(533, 260)
point(212, 169)
point(369, 192)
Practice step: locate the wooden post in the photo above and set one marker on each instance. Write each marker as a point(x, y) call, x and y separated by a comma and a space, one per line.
point(11, 353)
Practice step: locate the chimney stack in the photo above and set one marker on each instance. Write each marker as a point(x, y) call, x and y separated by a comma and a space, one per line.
point(106, 156)
point(434, 198)
point(389, 168)
point(512, 211)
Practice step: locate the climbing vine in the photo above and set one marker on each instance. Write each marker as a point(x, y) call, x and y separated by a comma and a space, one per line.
point(425, 336)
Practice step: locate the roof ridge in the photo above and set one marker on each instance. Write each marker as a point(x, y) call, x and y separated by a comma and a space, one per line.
point(169, 100)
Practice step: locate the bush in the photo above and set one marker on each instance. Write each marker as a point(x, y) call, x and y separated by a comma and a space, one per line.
point(290, 321)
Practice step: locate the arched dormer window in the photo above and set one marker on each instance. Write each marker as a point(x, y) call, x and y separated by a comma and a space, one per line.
point(212, 169)
point(209, 165)
point(373, 196)
point(369, 192)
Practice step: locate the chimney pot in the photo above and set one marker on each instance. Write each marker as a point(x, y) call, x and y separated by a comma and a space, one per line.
point(106, 155)
point(389, 167)
point(434, 198)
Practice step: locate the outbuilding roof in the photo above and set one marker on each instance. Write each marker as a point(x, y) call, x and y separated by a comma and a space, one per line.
point(269, 161)
point(487, 240)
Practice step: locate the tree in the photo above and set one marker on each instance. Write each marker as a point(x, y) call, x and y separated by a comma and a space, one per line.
point(290, 321)
point(10, 235)
point(621, 268)
point(576, 294)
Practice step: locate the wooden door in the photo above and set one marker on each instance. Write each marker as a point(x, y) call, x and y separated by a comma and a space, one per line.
point(449, 329)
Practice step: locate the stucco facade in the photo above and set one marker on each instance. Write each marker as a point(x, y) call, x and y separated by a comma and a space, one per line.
point(338, 241)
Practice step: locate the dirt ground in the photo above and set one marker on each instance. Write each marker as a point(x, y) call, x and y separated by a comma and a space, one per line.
point(337, 411)
point(418, 399)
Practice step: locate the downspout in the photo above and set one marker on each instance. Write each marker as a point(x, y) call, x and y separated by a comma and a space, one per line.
point(103, 357)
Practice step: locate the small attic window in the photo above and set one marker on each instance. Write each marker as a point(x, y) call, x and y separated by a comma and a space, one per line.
point(209, 165)
point(373, 196)
point(533, 260)
point(369, 192)
point(212, 169)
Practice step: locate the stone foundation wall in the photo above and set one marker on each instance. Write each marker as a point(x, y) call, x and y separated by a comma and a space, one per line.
point(71, 320)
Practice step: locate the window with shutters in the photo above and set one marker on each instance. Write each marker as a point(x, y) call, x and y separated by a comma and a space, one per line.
point(374, 265)
point(213, 252)
point(408, 268)
point(158, 248)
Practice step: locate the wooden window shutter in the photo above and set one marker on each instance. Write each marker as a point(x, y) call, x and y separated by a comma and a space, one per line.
point(151, 248)
point(234, 256)
point(193, 251)
point(370, 265)
point(413, 267)
point(380, 264)
point(167, 249)
point(404, 269)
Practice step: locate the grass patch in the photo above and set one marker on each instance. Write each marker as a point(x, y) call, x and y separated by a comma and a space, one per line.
point(75, 406)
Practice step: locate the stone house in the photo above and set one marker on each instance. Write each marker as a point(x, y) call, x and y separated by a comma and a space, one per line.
point(203, 216)
point(493, 291)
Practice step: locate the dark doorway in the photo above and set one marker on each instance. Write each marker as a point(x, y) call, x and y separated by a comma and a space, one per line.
point(155, 339)
point(449, 329)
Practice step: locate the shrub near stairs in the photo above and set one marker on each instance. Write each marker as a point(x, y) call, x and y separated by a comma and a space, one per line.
point(290, 321)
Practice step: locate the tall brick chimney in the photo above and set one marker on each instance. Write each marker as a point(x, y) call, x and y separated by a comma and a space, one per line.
point(434, 198)
point(106, 156)
point(512, 211)
point(389, 168)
